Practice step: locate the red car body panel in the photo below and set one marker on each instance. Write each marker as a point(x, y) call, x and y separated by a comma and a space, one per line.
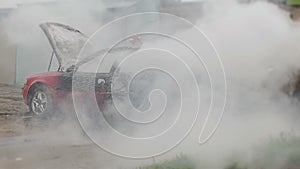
point(50, 79)
point(53, 81)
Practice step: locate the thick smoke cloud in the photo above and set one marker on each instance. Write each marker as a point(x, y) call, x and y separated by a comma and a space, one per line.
point(22, 28)
point(257, 43)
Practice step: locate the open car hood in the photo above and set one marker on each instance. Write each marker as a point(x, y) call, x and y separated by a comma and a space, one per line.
point(67, 42)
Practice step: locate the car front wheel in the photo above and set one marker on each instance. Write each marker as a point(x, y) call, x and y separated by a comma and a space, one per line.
point(41, 101)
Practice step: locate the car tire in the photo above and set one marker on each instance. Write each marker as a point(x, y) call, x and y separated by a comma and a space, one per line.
point(41, 103)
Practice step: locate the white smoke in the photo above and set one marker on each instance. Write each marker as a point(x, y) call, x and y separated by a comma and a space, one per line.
point(22, 28)
point(258, 44)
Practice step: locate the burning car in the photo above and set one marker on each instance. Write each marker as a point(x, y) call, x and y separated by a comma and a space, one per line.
point(45, 92)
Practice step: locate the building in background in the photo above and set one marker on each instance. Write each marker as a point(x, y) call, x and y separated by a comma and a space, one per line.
point(20, 60)
point(8, 54)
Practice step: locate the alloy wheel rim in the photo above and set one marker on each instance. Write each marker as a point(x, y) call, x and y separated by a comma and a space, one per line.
point(39, 102)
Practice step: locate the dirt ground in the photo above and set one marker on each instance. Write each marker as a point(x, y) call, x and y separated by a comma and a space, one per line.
point(27, 142)
point(11, 100)
point(12, 109)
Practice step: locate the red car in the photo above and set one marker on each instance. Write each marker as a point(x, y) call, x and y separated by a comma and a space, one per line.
point(45, 92)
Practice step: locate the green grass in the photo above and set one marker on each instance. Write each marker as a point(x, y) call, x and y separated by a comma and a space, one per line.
point(235, 165)
point(283, 151)
point(275, 153)
point(293, 2)
point(180, 162)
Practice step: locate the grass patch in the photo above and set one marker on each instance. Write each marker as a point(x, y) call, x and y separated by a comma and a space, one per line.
point(282, 152)
point(275, 153)
point(180, 162)
point(235, 165)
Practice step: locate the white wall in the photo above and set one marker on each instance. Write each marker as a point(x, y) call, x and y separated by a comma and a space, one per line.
point(7, 60)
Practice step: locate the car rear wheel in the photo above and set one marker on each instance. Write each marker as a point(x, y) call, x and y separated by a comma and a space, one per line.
point(41, 101)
